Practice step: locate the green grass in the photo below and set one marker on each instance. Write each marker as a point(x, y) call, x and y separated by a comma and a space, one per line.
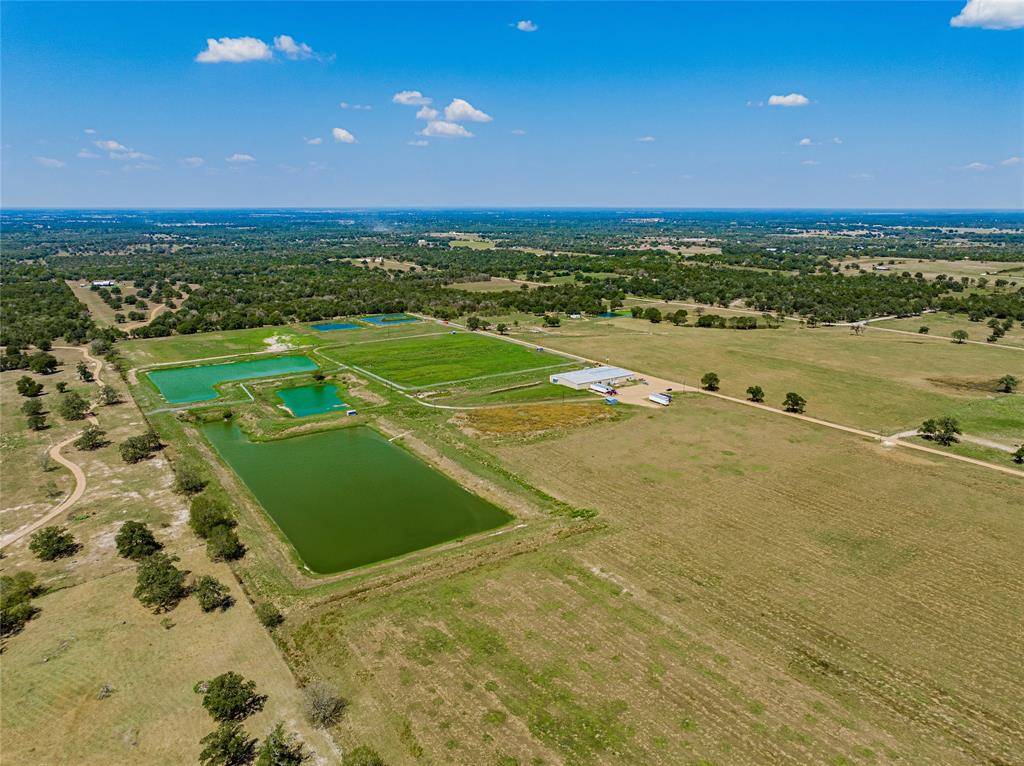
point(943, 324)
point(437, 359)
point(181, 348)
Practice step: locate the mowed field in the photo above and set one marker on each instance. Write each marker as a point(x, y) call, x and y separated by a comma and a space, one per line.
point(882, 382)
point(435, 359)
point(762, 591)
point(941, 323)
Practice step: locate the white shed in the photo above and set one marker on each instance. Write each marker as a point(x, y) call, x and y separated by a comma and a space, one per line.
point(581, 379)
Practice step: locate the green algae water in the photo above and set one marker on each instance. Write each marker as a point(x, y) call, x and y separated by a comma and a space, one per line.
point(181, 385)
point(311, 400)
point(348, 497)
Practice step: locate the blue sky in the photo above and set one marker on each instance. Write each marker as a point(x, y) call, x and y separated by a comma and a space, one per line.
point(662, 104)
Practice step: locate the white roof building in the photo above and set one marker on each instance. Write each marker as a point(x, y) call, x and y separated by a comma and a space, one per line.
point(580, 379)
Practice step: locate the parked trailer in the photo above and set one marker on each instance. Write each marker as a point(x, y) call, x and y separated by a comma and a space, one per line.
point(601, 388)
point(663, 399)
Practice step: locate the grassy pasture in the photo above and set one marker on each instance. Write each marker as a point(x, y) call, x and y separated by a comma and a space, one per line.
point(930, 269)
point(882, 382)
point(763, 591)
point(944, 324)
point(183, 348)
point(435, 359)
point(100, 311)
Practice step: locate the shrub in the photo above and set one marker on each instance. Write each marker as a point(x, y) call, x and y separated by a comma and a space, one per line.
point(223, 544)
point(227, 745)
point(32, 407)
point(159, 584)
point(109, 395)
point(136, 448)
point(321, 705)
point(16, 594)
point(205, 513)
point(72, 406)
point(28, 387)
point(51, 543)
point(212, 594)
point(188, 480)
point(91, 438)
point(363, 756)
point(280, 749)
point(268, 614)
point(230, 697)
point(135, 541)
point(43, 363)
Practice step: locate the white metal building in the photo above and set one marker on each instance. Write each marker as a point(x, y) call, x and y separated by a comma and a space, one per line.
point(580, 379)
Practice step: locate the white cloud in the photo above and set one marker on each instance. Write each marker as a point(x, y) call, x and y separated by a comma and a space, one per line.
point(139, 166)
point(193, 162)
point(861, 176)
point(234, 50)
point(1011, 161)
point(90, 131)
point(805, 142)
point(109, 145)
point(131, 154)
point(343, 136)
point(810, 163)
point(645, 140)
point(50, 162)
point(313, 141)
point(238, 157)
point(526, 26)
point(990, 14)
point(976, 166)
point(410, 98)
point(793, 99)
point(418, 142)
point(460, 110)
point(85, 154)
point(427, 113)
point(518, 132)
point(837, 140)
point(357, 107)
point(443, 129)
point(291, 48)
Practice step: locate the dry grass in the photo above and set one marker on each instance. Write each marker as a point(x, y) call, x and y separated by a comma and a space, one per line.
point(532, 419)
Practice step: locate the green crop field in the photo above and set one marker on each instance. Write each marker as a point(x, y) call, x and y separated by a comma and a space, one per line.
point(436, 359)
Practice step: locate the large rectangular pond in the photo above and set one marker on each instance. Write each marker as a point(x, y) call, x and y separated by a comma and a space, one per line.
point(348, 497)
point(384, 320)
point(181, 385)
point(331, 326)
point(311, 400)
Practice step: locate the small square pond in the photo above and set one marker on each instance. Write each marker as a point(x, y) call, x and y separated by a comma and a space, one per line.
point(302, 401)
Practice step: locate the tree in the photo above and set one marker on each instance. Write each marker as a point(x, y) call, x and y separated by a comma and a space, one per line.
point(205, 513)
point(502, 328)
point(134, 541)
point(72, 406)
point(923, 329)
point(159, 584)
point(943, 430)
point(1007, 384)
point(678, 317)
point(280, 749)
point(136, 448)
point(43, 363)
point(16, 594)
point(1018, 456)
point(32, 407)
point(794, 402)
point(61, 386)
point(37, 421)
point(268, 614)
point(223, 544)
point(230, 697)
point(710, 381)
point(84, 372)
point(473, 323)
point(28, 387)
point(637, 312)
point(109, 395)
point(363, 756)
point(755, 394)
point(91, 438)
point(552, 320)
point(652, 315)
point(188, 480)
point(959, 336)
point(322, 705)
point(212, 594)
point(227, 745)
point(51, 543)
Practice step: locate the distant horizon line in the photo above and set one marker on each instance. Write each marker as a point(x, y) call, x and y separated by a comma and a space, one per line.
point(608, 208)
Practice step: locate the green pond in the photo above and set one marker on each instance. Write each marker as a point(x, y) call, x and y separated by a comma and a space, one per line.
point(311, 400)
point(180, 385)
point(348, 497)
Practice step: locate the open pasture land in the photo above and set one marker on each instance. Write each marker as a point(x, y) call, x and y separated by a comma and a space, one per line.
point(185, 348)
point(100, 311)
point(930, 268)
point(941, 323)
point(763, 591)
point(435, 359)
point(882, 382)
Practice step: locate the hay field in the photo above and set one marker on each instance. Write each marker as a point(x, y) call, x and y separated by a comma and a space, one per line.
point(435, 359)
point(883, 382)
point(763, 591)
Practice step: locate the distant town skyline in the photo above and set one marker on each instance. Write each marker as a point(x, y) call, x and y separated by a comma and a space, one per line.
point(663, 105)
